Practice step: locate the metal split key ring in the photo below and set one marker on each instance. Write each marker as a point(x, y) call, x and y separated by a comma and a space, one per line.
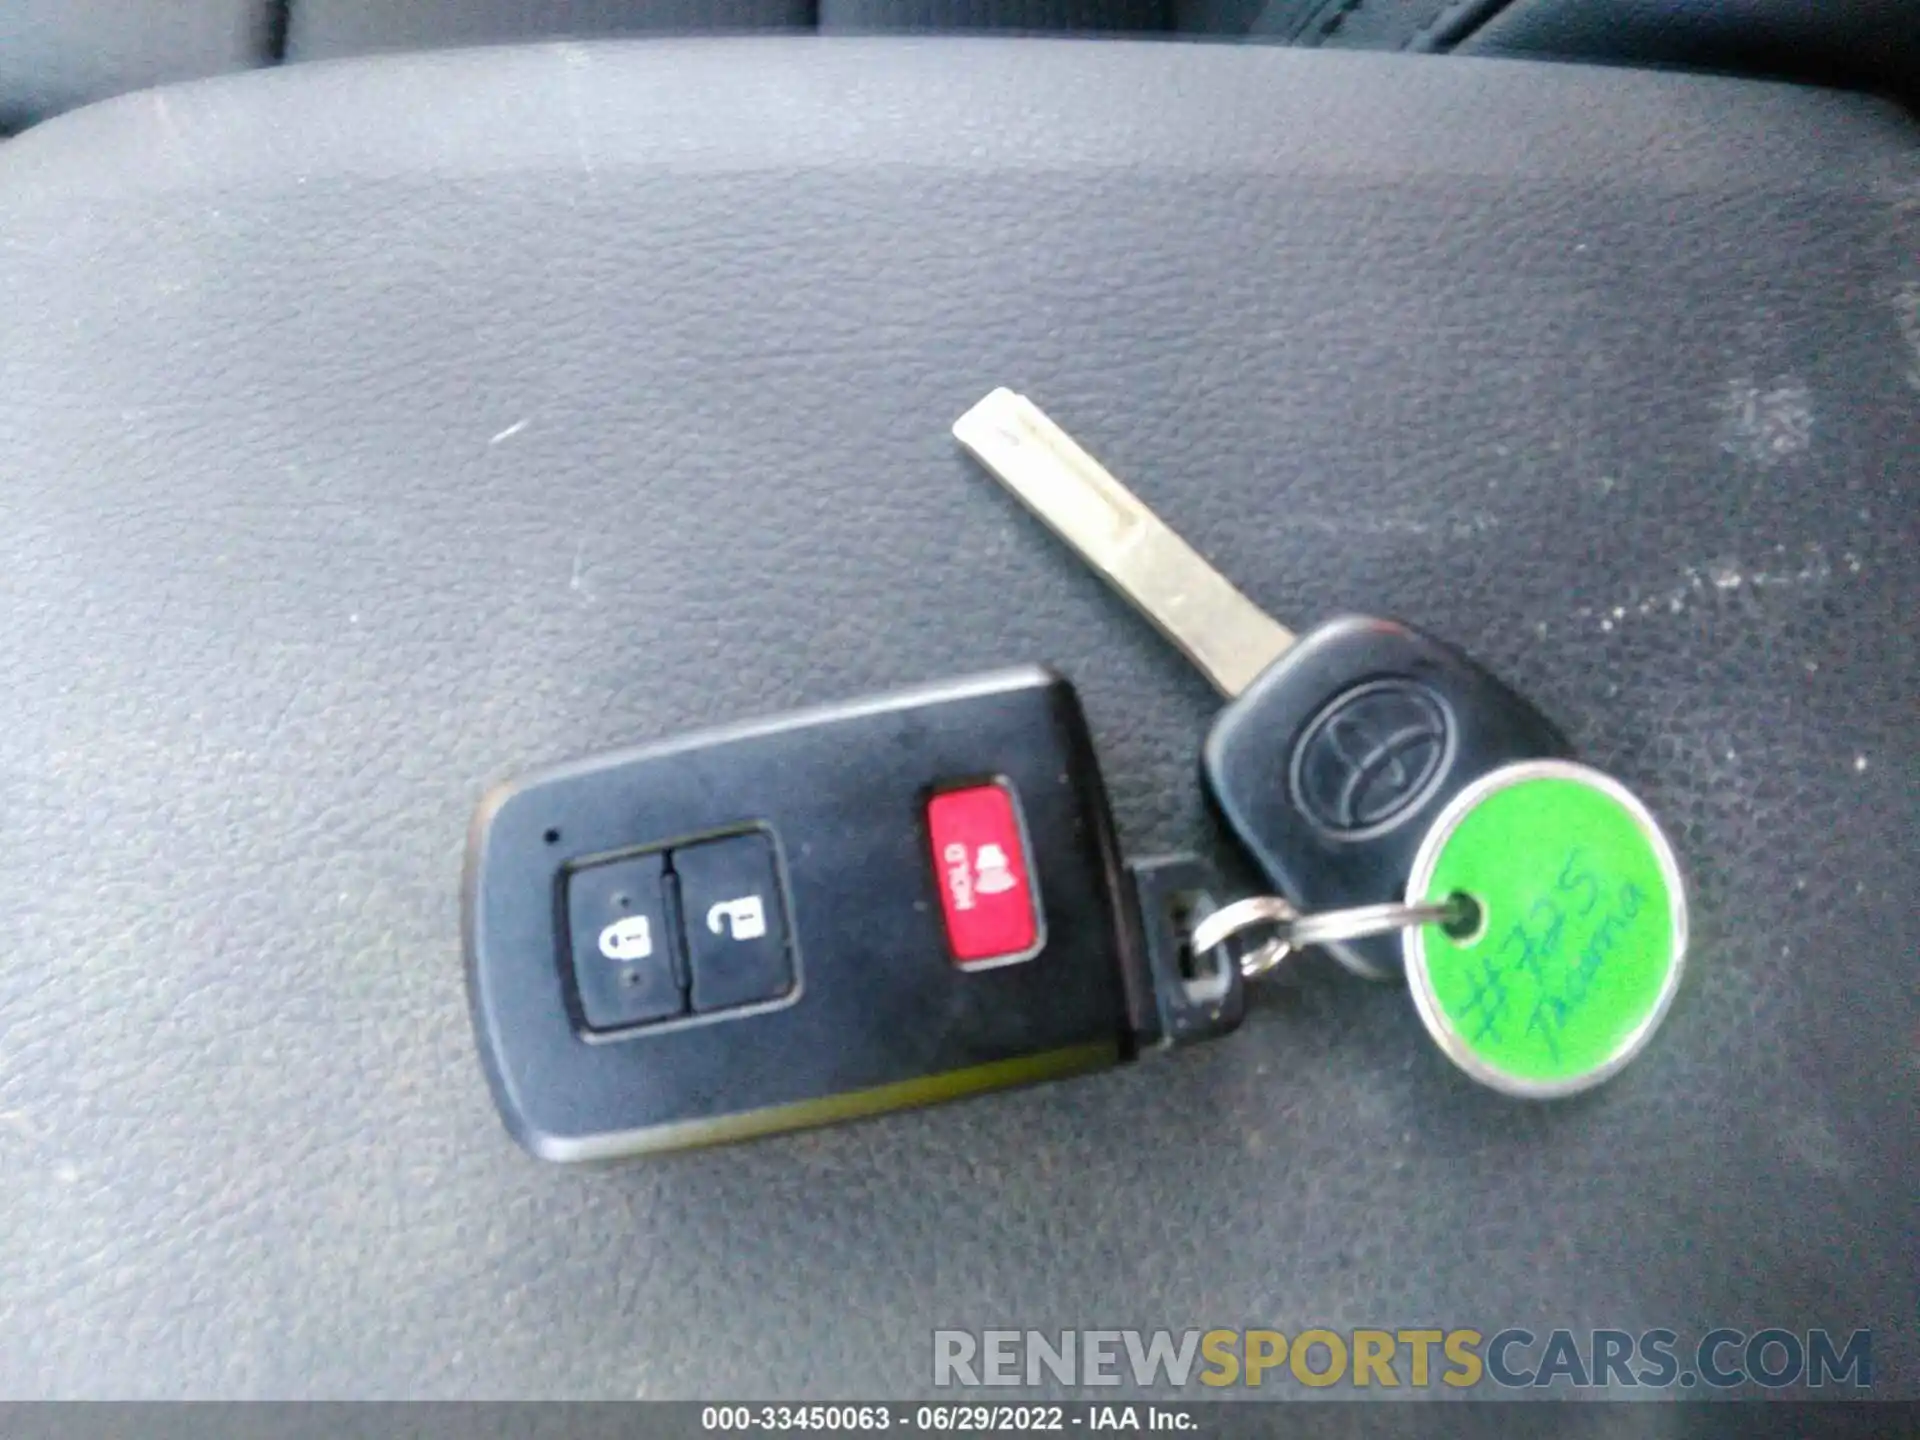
point(1298, 931)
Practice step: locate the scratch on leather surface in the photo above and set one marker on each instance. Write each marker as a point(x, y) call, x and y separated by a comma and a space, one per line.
point(278, 612)
point(1765, 423)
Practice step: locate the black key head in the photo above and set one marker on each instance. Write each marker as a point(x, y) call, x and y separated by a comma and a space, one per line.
point(1334, 762)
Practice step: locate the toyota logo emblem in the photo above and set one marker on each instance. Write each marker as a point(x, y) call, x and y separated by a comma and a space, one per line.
point(1370, 756)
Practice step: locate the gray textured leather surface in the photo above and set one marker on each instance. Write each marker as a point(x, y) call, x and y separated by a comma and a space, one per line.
point(373, 431)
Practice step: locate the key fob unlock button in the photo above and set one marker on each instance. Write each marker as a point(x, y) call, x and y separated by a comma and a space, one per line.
point(737, 947)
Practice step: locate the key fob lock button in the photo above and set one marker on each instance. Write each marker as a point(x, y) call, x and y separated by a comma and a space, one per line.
point(623, 943)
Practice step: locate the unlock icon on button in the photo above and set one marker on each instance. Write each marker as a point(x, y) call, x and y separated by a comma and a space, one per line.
point(741, 919)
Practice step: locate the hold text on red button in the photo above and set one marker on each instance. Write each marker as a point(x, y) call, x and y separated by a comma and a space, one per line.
point(980, 863)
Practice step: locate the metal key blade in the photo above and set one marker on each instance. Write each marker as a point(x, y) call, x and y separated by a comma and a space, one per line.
point(1227, 636)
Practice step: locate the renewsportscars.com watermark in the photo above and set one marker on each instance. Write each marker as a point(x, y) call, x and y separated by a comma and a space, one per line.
point(1511, 1359)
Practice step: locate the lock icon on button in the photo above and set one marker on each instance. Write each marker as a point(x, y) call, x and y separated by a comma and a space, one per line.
point(628, 939)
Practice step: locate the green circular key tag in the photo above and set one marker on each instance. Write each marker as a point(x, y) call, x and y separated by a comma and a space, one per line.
point(1580, 937)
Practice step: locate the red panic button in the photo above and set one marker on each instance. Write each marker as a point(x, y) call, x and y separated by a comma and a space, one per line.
point(980, 866)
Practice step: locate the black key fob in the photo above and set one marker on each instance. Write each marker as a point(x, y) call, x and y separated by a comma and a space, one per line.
point(1334, 762)
point(855, 909)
